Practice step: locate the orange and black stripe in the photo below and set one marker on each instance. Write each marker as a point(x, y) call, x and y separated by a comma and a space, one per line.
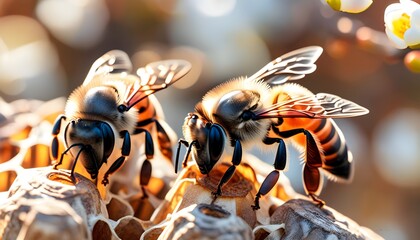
point(337, 159)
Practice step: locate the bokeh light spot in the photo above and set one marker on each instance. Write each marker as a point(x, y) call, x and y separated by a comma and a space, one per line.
point(345, 25)
point(215, 8)
point(363, 34)
point(396, 147)
point(412, 61)
point(77, 23)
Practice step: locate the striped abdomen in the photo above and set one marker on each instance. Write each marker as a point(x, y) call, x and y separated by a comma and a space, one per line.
point(337, 160)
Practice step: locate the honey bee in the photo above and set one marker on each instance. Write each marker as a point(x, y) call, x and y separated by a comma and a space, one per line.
point(265, 109)
point(105, 115)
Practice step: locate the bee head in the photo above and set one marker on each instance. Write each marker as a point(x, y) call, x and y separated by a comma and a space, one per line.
point(235, 111)
point(208, 139)
point(90, 142)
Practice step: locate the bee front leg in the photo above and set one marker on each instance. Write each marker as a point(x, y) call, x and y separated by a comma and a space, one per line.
point(236, 160)
point(125, 151)
point(272, 178)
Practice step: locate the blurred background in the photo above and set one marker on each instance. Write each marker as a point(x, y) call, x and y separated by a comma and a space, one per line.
point(48, 46)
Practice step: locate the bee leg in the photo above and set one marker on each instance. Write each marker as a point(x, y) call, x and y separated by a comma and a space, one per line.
point(236, 160)
point(54, 143)
point(271, 180)
point(145, 175)
point(146, 168)
point(319, 202)
point(125, 151)
point(312, 180)
point(313, 153)
point(114, 167)
point(148, 136)
point(149, 148)
point(312, 177)
point(268, 184)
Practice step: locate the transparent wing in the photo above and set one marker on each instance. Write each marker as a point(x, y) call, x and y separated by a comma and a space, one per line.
point(290, 66)
point(321, 105)
point(115, 61)
point(154, 77)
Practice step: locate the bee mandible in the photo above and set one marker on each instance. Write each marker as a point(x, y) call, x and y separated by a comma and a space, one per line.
point(265, 109)
point(104, 116)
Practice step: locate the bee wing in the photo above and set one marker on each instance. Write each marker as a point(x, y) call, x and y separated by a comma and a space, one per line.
point(114, 62)
point(290, 66)
point(154, 77)
point(321, 105)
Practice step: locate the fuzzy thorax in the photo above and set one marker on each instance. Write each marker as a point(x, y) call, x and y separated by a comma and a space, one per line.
point(99, 101)
point(226, 103)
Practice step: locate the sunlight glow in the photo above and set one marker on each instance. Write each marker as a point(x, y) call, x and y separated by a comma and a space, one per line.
point(215, 8)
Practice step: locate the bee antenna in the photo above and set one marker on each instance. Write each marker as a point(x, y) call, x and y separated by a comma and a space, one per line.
point(82, 147)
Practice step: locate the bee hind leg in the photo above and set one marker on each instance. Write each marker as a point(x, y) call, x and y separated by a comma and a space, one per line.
point(271, 180)
point(319, 202)
point(312, 177)
point(312, 180)
point(236, 160)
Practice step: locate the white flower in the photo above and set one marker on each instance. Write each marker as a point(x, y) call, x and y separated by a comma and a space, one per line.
point(350, 6)
point(402, 24)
